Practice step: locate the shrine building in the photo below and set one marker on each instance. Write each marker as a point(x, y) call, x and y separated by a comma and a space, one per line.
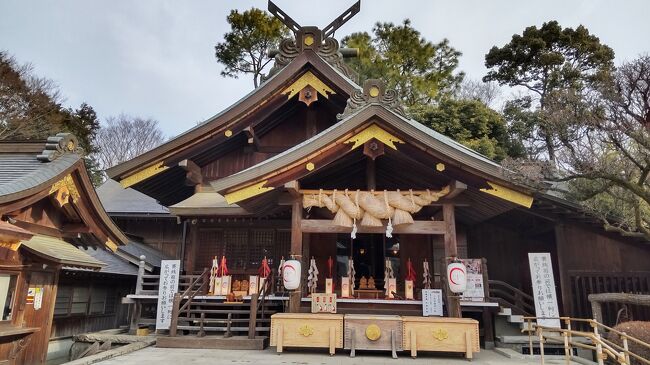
point(314, 164)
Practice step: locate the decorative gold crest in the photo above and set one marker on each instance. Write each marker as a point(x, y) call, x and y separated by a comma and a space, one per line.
point(306, 330)
point(440, 334)
point(374, 131)
point(65, 189)
point(373, 332)
point(309, 40)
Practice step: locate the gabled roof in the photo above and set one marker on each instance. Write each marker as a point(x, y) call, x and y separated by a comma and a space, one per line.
point(113, 263)
point(118, 200)
point(359, 123)
point(61, 252)
point(56, 169)
point(214, 129)
point(134, 250)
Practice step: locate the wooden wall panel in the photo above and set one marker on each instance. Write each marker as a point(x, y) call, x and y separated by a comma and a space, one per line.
point(163, 234)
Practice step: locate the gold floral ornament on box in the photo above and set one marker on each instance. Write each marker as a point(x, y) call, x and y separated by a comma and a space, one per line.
point(373, 332)
point(440, 334)
point(306, 330)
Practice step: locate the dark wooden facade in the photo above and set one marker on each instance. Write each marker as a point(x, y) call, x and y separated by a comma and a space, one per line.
point(47, 205)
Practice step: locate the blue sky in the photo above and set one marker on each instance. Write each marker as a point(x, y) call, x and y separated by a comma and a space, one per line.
point(156, 58)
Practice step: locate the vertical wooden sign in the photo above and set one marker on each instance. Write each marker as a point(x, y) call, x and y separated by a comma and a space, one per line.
point(541, 275)
point(168, 286)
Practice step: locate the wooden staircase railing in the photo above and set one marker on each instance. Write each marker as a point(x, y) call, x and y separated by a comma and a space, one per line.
point(509, 296)
point(257, 303)
point(603, 346)
point(201, 281)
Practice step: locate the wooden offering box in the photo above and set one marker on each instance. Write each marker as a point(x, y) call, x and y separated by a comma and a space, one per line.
point(373, 332)
point(307, 330)
point(440, 334)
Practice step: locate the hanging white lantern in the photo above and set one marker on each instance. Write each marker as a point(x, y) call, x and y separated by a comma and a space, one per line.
point(291, 274)
point(457, 277)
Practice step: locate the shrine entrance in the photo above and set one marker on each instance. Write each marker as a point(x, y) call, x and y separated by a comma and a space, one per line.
point(369, 253)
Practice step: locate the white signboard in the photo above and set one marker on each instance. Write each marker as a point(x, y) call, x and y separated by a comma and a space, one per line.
point(168, 286)
point(431, 302)
point(475, 291)
point(541, 274)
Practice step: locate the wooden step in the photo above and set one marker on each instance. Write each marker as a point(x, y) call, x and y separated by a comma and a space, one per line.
point(221, 320)
point(222, 329)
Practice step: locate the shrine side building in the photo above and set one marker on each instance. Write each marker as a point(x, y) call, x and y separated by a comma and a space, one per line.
point(255, 180)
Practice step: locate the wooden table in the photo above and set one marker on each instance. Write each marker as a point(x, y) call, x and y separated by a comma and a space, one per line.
point(373, 332)
point(440, 334)
point(307, 330)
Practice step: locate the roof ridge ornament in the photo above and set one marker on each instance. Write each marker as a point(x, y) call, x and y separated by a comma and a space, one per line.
point(314, 39)
point(374, 92)
point(59, 145)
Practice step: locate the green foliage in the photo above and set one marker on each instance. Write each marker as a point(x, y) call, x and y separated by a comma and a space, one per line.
point(420, 71)
point(551, 63)
point(245, 48)
point(471, 123)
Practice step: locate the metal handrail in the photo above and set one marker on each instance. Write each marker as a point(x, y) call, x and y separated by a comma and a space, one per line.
point(602, 346)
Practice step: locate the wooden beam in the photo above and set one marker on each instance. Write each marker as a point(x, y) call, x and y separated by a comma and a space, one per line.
point(294, 189)
point(449, 217)
point(75, 228)
point(193, 175)
point(252, 137)
point(456, 187)
point(371, 176)
point(417, 227)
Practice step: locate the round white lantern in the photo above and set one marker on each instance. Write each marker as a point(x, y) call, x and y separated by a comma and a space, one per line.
point(457, 277)
point(291, 274)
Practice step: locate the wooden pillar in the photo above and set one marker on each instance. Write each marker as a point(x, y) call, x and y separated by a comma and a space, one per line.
point(451, 252)
point(449, 216)
point(565, 287)
point(296, 250)
point(371, 179)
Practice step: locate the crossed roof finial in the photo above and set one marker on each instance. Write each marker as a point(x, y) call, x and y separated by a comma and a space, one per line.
point(328, 31)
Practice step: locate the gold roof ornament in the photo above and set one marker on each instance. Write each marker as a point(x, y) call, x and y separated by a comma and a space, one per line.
point(376, 132)
point(65, 189)
point(374, 92)
point(143, 174)
point(57, 146)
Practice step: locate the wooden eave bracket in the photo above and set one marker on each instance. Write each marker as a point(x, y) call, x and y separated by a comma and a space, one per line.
point(252, 138)
point(193, 174)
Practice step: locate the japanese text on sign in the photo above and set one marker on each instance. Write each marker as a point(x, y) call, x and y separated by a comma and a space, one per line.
point(431, 302)
point(168, 286)
point(541, 275)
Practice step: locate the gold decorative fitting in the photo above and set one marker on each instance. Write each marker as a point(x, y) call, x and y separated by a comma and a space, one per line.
point(373, 332)
point(65, 189)
point(374, 91)
point(310, 79)
point(11, 245)
point(310, 166)
point(440, 166)
point(309, 40)
point(440, 334)
point(376, 132)
point(228, 133)
point(143, 175)
point(306, 330)
point(70, 146)
point(247, 192)
point(509, 195)
point(111, 245)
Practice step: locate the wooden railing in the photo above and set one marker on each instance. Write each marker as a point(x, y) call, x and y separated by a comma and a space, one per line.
point(257, 305)
point(198, 286)
point(509, 296)
point(603, 346)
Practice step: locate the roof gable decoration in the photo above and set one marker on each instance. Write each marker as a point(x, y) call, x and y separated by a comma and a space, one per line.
point(374, 92)
point(56, 146)
point(308, 86)
point(313, 39)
